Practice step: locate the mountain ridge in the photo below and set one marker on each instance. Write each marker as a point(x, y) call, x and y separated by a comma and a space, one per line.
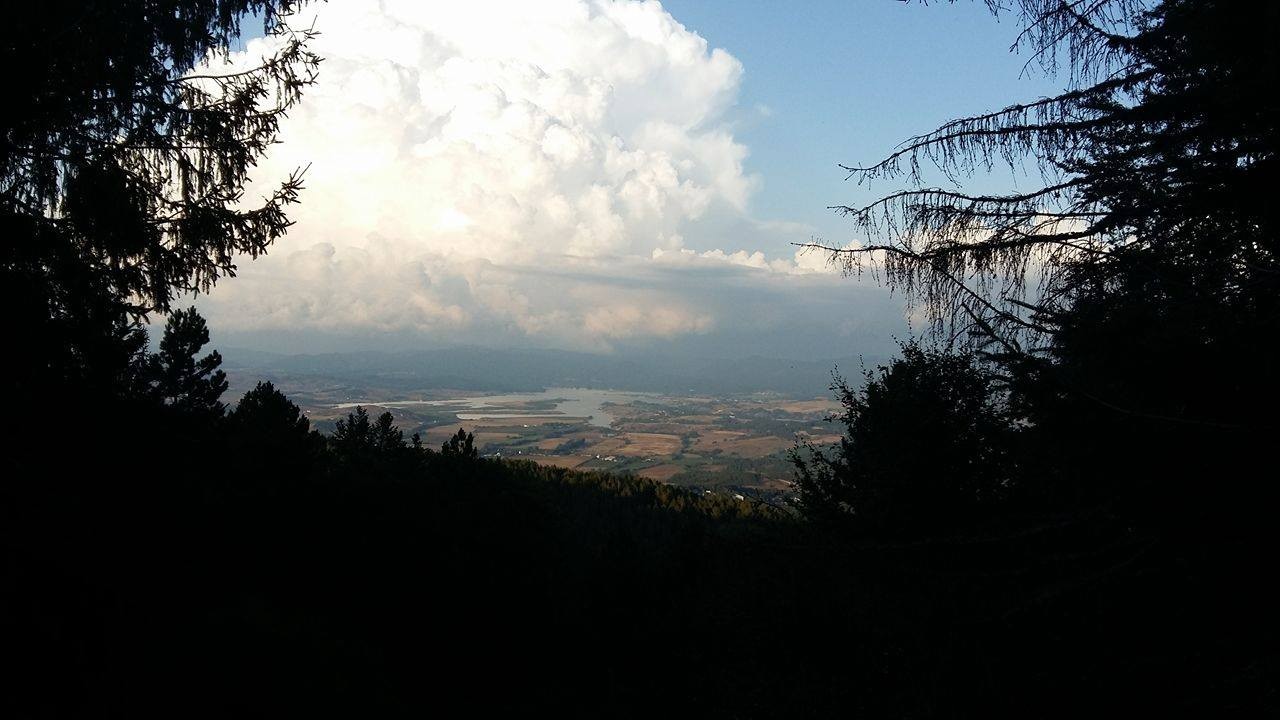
point(476, 368)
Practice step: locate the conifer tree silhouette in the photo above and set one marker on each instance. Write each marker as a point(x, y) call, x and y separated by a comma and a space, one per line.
point(122, 167)
point(184, 381)
point(461, 445)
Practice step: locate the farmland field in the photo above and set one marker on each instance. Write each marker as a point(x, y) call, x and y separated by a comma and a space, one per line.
point(695, 441)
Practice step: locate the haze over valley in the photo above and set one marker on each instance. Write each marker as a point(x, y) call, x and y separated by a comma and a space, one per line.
point(724, 425)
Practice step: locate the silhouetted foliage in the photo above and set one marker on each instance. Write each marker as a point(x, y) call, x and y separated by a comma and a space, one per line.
point(355, 435)
point(266, 412)
point(1159, 152)
point(355, 432)
point(1130, 387)
point(182, 381)
point(1133, 366)
point(122, 163)
point(461, 445)
point(924, 448)
point(269, 435)
point(365, 447)
point(1068, 526)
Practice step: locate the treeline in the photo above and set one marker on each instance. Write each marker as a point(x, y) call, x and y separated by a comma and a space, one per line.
point(1095, 410)
point(197, 559)
point(1066, 513)
point(1102, 340)
point(187, 557)
point(241, 560)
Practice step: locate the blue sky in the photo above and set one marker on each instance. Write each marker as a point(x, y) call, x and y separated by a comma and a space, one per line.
point(846, 81)
point(601, 175)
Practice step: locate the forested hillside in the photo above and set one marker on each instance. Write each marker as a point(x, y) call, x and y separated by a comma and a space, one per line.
point(252, 567)
point(1056, 501)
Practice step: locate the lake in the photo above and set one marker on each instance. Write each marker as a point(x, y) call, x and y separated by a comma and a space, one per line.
point(568, 403)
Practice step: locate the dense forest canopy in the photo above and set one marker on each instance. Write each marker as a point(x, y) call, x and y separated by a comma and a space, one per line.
point(1067, 510)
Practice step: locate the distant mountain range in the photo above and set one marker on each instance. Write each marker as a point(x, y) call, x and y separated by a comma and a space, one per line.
point(469, 368)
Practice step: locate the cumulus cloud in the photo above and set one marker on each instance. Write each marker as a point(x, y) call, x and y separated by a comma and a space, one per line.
point(499, 171)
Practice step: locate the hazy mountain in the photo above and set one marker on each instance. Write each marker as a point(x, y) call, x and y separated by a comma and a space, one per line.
point(469, 368)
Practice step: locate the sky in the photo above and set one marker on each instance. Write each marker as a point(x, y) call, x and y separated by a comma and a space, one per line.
point(606, 176)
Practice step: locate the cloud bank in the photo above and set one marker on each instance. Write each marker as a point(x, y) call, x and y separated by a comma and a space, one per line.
point(558, 173)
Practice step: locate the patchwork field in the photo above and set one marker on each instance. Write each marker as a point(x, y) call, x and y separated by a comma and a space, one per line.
point(643, 444)
point(737, 443)
point(661, 473)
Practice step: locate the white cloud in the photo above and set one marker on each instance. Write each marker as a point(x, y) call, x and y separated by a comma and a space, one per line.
point(503, 170)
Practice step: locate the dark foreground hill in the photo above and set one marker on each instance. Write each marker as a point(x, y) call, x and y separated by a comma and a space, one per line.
point(412, 583)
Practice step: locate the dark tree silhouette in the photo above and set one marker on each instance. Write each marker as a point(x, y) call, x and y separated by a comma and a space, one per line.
point(1123, 306)
point(181, 380)
point(924, 449)
point(172, 559)
point(123, 159)
point(271, 437)
point(1158, 160)
point(355, 432)
point(1152, 240)
point(461, 445)
point(386, 436)
point(122, 163)
point(357, 437)
point(265, 411)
